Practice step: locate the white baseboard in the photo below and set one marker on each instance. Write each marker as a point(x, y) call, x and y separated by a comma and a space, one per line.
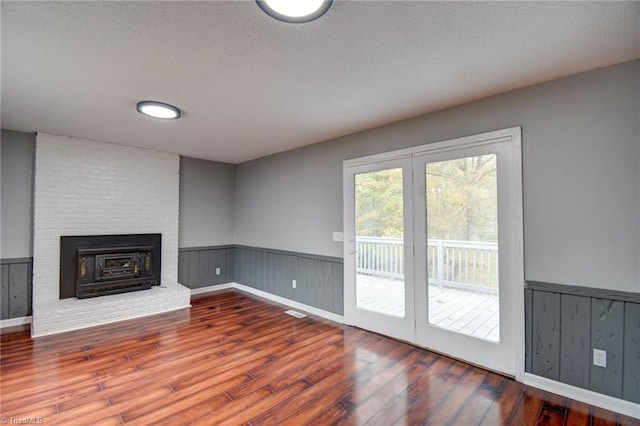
point(12, 325)
point(211, 289)
point(15, 321)
point(291, 303)
point(272, 297)
point(621, 406)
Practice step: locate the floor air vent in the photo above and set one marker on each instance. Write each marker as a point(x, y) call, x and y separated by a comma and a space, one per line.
point(295, 313)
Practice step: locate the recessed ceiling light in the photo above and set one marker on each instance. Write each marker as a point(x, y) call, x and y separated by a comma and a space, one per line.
point(158, 110)
point(295, 11)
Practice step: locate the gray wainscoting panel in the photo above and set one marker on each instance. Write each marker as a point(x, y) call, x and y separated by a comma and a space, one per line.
point(183, 266)
point(528, 329)
point(575, 340)
point(238, 272)
point(230, 265)
point(318, 278)
point(4, 293)
point(15, 288)
point(203, 270)
point(631, 369)
point(546, 335)
point(607, 332)
point(197, 266)
point(337, 278)
point(215, 259)
point(587, 320)
point(194, 269)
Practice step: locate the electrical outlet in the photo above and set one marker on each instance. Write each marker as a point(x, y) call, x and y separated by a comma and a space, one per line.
point(599, 357)
point(217, 271)
point(338, 237)
point(294, 284)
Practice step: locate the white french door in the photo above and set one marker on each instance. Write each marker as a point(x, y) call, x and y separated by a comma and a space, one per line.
point(468, 239)
point(380, 207)
point(433, 247)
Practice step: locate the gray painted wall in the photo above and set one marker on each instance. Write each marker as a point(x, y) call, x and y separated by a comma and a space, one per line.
point(206, 203)
point(581, 173)
point(18, 156)
point(562, 329)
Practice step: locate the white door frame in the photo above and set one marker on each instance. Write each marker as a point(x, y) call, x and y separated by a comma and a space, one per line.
point(512, 135)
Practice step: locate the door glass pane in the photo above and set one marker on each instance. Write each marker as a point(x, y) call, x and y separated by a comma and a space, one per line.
point(462, 230)
point(380, 242)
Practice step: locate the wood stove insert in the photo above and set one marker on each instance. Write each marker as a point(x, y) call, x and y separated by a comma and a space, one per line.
point(98, 265)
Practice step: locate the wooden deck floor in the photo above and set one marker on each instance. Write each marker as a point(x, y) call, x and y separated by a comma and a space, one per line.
point(234, 359)
point(471, 313)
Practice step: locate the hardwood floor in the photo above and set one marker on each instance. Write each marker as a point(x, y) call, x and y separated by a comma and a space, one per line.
point(235, 359)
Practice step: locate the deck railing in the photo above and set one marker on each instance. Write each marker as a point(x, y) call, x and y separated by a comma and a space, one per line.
point(468, 265)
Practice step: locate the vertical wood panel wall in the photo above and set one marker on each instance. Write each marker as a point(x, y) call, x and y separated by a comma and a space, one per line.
point(574, 340)
point(631, 355)
point(197, 266)
point(15, 288)
point(562, 326)
point(319, 279)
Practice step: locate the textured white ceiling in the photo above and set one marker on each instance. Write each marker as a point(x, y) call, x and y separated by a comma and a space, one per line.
point(250, 86)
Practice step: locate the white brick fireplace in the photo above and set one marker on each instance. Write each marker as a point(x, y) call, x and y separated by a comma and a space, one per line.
point(85, 187)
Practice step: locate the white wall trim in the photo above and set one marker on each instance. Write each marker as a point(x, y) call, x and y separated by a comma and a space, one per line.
point(272, 297)
point(290, 303)
point(210, 289)
point(621, 406)
point(13, 325)
point(15, 321)
point(440, 146)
